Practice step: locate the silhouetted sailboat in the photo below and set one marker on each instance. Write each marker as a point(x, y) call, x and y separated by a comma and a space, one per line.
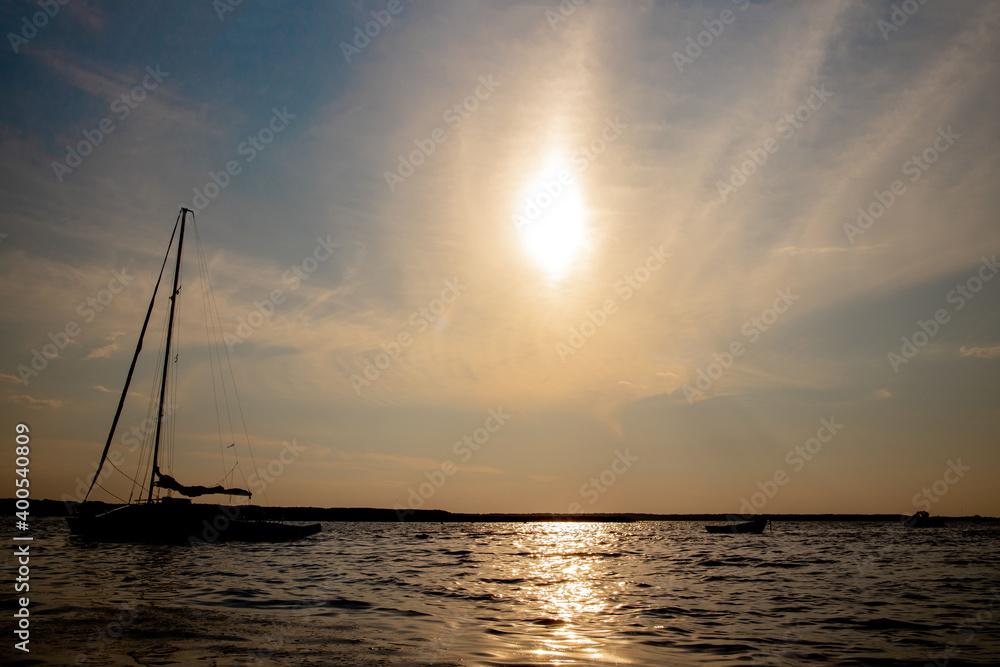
point(163, 518)
point(755, 526)
point(923, 519)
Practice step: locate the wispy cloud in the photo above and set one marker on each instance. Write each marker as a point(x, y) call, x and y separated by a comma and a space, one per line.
point(29, 402)
point(983, 352)
point(655, 184)
point(102, 352)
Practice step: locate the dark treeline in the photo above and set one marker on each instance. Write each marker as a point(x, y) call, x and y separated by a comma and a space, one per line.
point(57, 508)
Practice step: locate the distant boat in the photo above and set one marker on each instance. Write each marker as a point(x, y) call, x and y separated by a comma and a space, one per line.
point(923, 519)
point(755, 526)
point(160, 517)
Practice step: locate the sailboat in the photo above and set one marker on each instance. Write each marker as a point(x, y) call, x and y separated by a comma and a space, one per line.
point(923, 519)
point(754, 526)
point(152, 514)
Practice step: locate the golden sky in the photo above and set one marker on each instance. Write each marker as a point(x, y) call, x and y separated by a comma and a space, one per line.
point(492, 256)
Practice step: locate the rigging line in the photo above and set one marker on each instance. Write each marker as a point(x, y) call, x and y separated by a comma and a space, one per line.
point(170, 323)
point(246, 433)
point(210, 339)
point(141, 486)
point(227, 474)
point(229, 365)
point(154, 397)
point(225, 392)
point(121, 471)
point(135, 358)
point(145, 455)
point(171, 416)
point(111, 494)
point(169, 442)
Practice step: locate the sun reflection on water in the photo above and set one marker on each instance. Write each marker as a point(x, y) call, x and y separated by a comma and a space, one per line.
point(565, 564)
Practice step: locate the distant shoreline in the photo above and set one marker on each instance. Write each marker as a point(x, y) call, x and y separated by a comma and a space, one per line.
point(56, 508)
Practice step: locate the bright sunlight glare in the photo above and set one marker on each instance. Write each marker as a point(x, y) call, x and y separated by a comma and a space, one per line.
point(552, 219)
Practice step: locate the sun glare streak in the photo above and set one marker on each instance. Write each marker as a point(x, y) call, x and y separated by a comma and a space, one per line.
point(551, 219)
point(575, 593)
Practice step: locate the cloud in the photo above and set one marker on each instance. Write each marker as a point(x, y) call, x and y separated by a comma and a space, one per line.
point(794, 250)
point(26, 401)
point(984, 352)
point(102, 352)
point(13, 379)
point(655, 184)
point(417, 463)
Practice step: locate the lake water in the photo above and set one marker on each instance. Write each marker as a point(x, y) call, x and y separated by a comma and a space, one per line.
point(657, 593)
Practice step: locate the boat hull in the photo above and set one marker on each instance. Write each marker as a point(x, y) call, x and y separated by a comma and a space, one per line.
point(180, 523)
point(923, 519)
point(755, 526)
point(932, 522)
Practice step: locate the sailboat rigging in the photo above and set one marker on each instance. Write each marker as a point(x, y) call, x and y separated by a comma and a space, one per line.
point(164, 518)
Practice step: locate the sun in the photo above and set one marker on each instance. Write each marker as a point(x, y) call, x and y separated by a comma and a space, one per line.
point(551, 219)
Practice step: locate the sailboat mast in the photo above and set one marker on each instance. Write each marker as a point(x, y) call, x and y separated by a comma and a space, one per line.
point(166, 358)
point(131, 370)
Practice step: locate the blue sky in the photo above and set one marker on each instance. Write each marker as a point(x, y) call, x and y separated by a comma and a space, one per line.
point(647, 261)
